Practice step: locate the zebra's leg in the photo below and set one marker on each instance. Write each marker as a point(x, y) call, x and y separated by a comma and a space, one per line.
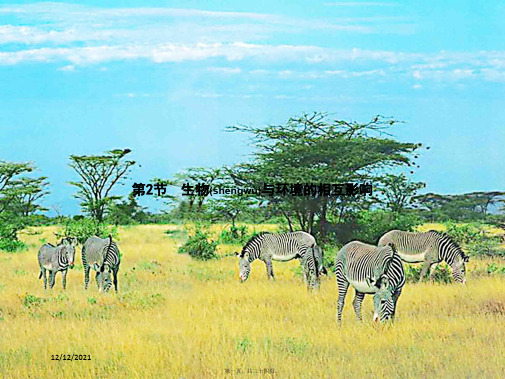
point(114, 273)
point(343, 285)
point(304, 270)
point(52, 275)
point(426, 266)
point(64, 279)
point(97, 277)
point(396, 295)
point(270, 269)
point(358, 299)
point(43, 272)
point(432, 272)
point(86, 276)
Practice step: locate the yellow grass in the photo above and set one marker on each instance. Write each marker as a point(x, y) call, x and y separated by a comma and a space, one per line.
point(174, 317)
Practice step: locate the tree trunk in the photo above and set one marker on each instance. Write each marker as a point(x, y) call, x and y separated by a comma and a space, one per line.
point(289, 221)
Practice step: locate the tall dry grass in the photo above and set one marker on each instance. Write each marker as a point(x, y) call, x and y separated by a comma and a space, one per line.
point(174, 317)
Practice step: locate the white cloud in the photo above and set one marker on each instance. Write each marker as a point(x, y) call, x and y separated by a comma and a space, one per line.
point(225, 70)
point(58, 23)
point(69, 67)
point(73, 35)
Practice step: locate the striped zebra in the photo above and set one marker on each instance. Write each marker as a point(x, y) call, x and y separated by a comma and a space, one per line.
point(283, 247)
point(370, 270)
point(102, 255)
point(430, 248)
point(56, 258)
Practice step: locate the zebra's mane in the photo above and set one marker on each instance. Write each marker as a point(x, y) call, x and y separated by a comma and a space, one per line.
point(252, 240)
point(109, 245)
point(447, 238)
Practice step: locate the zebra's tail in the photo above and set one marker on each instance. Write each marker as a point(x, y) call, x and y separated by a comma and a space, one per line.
point(40, 275)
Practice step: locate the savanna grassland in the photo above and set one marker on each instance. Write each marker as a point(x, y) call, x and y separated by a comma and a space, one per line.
point(174, 317)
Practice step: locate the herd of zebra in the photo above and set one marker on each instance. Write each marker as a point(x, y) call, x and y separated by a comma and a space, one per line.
point(99, 254)
point(375, 270)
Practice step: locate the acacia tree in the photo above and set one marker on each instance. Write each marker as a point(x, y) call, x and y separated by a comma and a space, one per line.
point(192, 202)
point(229, 205)
point(398, 191)
point(99, 175)
point(313, 149)
point(19, 197)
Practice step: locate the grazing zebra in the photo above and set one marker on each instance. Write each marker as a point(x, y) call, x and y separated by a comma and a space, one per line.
point(430, 248)
point(56, 258)
point(370, 270)
point(101, 254)
point(283, 247)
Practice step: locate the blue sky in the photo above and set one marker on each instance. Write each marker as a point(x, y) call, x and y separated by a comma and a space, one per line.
point(164, 78)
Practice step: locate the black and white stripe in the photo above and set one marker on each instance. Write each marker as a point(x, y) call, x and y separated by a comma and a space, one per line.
point(56, 258)
point(370, 270)
point(430, 248)
point(283, 247)
point(102, 255)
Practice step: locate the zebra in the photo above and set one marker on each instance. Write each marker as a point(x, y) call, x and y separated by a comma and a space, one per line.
point(56, 258)
point(101, 254)
point(370, 270)
point(430, 248)
point(283, 247)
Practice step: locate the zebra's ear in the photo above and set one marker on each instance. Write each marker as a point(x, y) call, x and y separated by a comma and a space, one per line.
point(466, 258)
point(237, 254)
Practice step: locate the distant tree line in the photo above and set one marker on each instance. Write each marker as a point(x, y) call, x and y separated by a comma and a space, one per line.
point(312, 148)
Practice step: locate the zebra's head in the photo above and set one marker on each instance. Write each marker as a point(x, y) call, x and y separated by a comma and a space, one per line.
point(104, 281)
point(459, 268)
point(384, 300)
point(69, 250)
point(244, 266)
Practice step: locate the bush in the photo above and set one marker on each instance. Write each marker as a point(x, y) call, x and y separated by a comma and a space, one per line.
point(11, 245)
point(235, 234)
point(83, 228)
point(199, 247)
point(330, 253)
point(442, 274)
point(371, 225)
point(474, 239)
point(465, 233)
point(493, 268)
point(8, 236)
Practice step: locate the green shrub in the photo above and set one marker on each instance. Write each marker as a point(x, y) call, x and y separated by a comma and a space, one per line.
point(371, 225)
point(11, 245)
point(199, 247)
point(493, 268)
point(465, 233)
point(472, 237)
point(32, 300)
point(83, 228)
point(442, 274)
point(235, 235)
point(8, 236)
